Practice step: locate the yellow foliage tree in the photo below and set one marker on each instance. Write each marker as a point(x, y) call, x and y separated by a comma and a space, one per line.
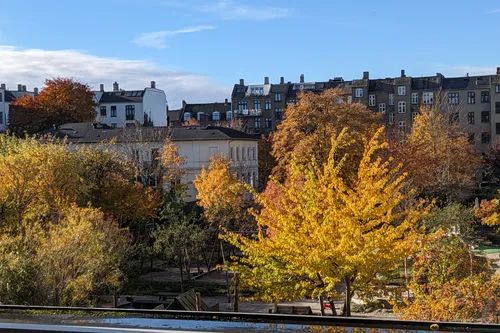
point(222, 196)
point(322, 229)
point(489, 213)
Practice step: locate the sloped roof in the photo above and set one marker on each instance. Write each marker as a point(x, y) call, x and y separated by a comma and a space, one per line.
point(122, 96)
point(95, 133)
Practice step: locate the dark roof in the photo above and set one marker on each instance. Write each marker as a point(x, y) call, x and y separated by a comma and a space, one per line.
point(94, 133)
point(174, 115)
point(9, 97)
point(468, 82)
point(424, 83)
point(122, 96)
point(380, 85)
point(207, 107)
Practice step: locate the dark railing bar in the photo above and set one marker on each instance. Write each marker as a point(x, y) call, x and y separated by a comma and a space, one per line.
point(279, 318)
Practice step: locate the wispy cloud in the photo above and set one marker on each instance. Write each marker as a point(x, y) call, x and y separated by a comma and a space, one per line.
point(461, 70)
point(158, 39)
point(231, 10)
point(494, 11)
point(33, 66)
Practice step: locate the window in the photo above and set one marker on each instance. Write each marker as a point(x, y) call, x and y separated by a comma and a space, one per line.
point(391, 118)
point(414, 98)
point(371, 100)
point(1, 117)
point(1, 97)
point(428, 98)
point(135, 155)
point(257, 122)
point(256, 105)
point(254, 155)
point(485, 137)
point(497, 88)
point(200, 116)
point(485, 96)
point(216, 116)
point(186, 116)
point(229, 115)
point(485, 116)
point(113, 111)
point(391, 99)
point(268, 105)
point(257, 91)
point(278, 114)
point(242, 106)
point(269, 123)
point(470, 118)
point(497, 127)
point(114, 125)
point(497, 107)
point(414, 116)
point(129, 112)
point(401, 90)
point(402, 127)
point(103, 111)
point(358, 92)
point(381, 108)
point(231, 154)
point(454, 117)
point(401, 107)
point(453, 98)
point(471, 97)
point(278, 97)
point(243, 153)
point(237, 153)
point(349, 99)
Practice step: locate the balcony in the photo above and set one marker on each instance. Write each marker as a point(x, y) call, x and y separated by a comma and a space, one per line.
point(248, 113)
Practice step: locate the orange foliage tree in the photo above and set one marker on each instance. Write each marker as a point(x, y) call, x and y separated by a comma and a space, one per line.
point(61, 101)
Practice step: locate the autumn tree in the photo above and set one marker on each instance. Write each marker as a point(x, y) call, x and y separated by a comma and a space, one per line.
point(453, 218)
point(61, 101)
point(489, 212)
point(438, 156)
point(266, 160)
point(449, 282)
point(222, 196)
point(324, 228)
point(308, 126)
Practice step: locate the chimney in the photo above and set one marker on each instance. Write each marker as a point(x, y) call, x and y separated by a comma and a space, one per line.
point(266, 80)
point(301, 78)
point(3, 86)
point(225, 101)
point(439, 78)
point(184, 104)
point(116, 87)
point(19, 87)
point(282, 80)
point(403, 73)
point(153, 84)
point(498, 70)
point(24, 87)
point(35, 91)
point(101, 87)
point(242, 82)
point(366, 75)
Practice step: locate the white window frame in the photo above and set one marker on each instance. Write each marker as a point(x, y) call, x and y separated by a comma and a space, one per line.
point(216, 116)
point(401, 107)
point(372, 100)
point(414, 115)
point(358, 92)
point(428, 97)
point(229, 115)
point(186, 116)
point(349, 99)
point(402, 90)
point(391, 118)
point(381, 108)
point(391, 99)
point(414, 98)
point(402, 126)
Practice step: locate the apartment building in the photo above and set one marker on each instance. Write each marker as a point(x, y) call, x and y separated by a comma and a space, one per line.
point(197, 145)
point(6, 98)
point(206, 114)
point(128, 108)
point(472, 101)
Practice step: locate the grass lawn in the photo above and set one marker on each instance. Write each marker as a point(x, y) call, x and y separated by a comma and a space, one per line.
point(487, 249)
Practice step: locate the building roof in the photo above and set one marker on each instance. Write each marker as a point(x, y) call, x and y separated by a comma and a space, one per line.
point(122, 96)
point(467, 82)
point(207, 107)
point(95, 133)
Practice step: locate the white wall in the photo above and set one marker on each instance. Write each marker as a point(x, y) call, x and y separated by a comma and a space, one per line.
point(155, 106)
point(4, 111)
point(119, 120)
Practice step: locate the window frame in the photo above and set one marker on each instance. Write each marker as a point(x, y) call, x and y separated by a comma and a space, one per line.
point(130, 112)
point(401, 90)
point(401, 107)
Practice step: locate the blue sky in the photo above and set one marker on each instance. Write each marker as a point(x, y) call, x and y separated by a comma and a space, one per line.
point(197, 49)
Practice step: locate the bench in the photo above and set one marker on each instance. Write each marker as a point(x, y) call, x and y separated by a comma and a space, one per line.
point(293, 309)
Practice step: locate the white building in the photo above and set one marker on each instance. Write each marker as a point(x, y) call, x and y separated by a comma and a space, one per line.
point(125, 108)
point(195, 144)
point(6, 98)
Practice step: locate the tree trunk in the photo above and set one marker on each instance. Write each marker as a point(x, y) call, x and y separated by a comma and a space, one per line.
point(332, 306)
point(181, 269)
point(236, 292)
point(347, 302)
point(321, 305)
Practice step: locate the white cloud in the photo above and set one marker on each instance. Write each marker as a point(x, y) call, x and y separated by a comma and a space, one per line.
point(158, 39)
point(494, 11)
point(32, 66)
point(232, 10)
point(462, 70)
